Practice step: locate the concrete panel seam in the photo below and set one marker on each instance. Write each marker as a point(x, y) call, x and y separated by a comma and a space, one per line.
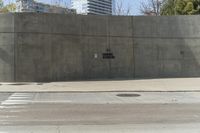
point(134, 62)
point(84, 35)
point(152, 37)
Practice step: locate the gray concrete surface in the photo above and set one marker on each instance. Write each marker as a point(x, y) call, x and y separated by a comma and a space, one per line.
point(100, 98)
point(192, 128)
point(6, 47)
point(153, 85)
point(56, 47)
point(100, 112)
point(148, 128)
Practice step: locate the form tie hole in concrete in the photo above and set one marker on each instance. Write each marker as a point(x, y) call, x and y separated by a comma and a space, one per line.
point(128, 95)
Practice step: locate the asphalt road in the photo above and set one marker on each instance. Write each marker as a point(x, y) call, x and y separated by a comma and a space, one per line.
point(100, 112)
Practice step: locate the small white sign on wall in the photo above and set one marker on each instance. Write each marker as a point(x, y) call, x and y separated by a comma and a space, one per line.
point(95, 55)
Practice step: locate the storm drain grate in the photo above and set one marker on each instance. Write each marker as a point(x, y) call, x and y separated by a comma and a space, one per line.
point(128, 95)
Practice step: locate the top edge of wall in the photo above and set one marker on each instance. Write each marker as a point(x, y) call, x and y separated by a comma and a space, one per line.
point(25, 13)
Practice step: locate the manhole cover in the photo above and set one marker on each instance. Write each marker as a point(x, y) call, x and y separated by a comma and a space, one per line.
point(39, 84)
point(18, 84)
point(128, 95)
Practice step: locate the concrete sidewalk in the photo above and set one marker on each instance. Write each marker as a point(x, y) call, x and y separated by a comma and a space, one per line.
point(134, 128)
point(175, 84)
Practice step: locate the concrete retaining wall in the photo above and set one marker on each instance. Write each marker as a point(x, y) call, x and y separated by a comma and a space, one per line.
point(53, 47)
point(7, 47)
point(167, 46)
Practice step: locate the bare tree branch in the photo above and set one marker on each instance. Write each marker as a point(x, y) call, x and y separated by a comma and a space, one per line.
point(121, 9)
point(151, 7)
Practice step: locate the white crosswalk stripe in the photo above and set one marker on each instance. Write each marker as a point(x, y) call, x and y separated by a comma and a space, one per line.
point(19, 99)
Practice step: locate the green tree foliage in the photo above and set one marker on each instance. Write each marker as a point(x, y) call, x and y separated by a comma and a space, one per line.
point(1, 4)
point(7, 8)
point(181, 7)
point(168, 8)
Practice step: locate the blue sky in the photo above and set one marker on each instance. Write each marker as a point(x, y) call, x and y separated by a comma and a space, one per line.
point(135, 4)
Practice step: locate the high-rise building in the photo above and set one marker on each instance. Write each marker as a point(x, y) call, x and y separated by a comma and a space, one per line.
point(95, 7)
point(33, 6)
